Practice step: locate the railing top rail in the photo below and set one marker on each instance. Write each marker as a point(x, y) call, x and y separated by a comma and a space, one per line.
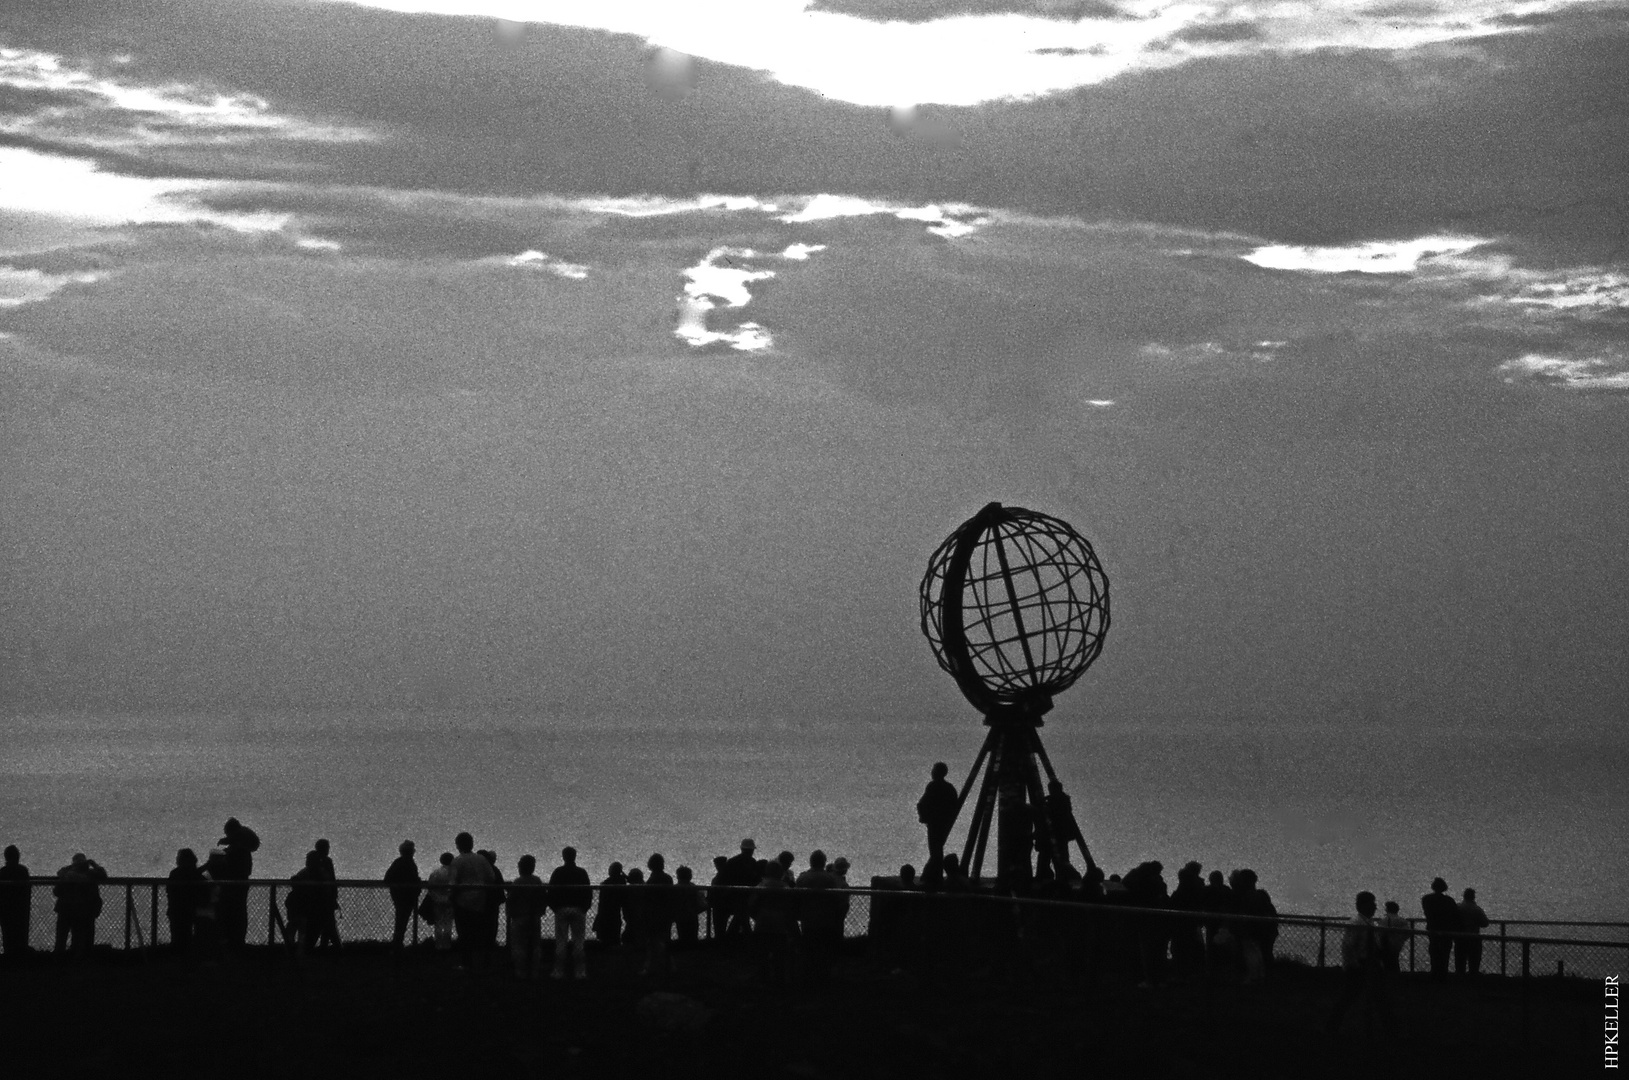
point(937, 895)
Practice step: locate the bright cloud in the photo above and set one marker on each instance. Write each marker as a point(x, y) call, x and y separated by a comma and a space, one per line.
point(26, 286)
point(1587, 373)
point(968, 59)
point(543, 261)
point(950, 220)
point(1371, 257)
point(157, 115)
point(76, 190)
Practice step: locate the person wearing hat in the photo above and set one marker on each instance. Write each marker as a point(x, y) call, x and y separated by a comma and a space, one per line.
point(741, 871)
point(1441, 923)
point(404, 878)
point(79, 902)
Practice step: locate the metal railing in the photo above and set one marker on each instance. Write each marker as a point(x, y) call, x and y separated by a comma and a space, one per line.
point(134, 914)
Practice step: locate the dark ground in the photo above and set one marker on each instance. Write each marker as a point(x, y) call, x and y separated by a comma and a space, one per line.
point(365, 1014)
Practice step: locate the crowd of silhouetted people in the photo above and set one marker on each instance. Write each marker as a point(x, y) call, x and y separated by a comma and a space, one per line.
point(1217, 923)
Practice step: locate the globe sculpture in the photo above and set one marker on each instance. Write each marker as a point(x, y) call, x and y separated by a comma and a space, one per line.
point(1015, 606)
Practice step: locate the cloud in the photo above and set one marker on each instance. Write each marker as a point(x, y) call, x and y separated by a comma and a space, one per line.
point(76, 190)
point(1572, 373)
point(542, 261)
point(23, 286)
point(949, 221)
point(965, 52)
point(84, 109)
point(1369, 257)
point(709, 281)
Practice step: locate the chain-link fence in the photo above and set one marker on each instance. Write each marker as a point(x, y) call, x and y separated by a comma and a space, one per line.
point(128, 913)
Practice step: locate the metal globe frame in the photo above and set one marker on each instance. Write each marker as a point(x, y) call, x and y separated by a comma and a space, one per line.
point(1015, 606)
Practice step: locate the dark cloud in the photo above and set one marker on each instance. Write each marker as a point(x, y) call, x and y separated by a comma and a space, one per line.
point(1219, 32)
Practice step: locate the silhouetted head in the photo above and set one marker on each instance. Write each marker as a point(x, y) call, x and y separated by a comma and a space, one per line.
point(817, 859)
point(940, 770)
point(232, 826)
point(313, 860)
point(321, 846)
point(655, 862)
point(748, 846)
point(786, 859)
point(683, 873)
point(1365, 903)
point(1054, 787)
point(490, 856)
point(1391, 907)
point(1470, 894)
point(1438, 885)
point(186, 857)
point(907, 875)
point(446, 858)
point(1216, 878)
point(614, 869)
point(636, 876)
point(526, 864)
point(1191, 870)
point(1243, 879)
point(13, 856)
point(720, 862)
point(406, 847)
point(464, 842)
point(570, 855)
point(840, 866)
point(952, 864)
point(79, 859)
point(1114, 877)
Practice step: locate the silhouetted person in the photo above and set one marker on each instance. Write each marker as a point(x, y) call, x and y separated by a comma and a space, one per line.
point(786, 859)
point(441, 901)
point(1187, 939)
point(718, 900)
point(526, 904)
point(1441, 921)
point(571, 895)
point(494, 903)
point(633, 912)
point(470, 872)
point(1060, 816)
point(403, 879)
point(936, 809)
point(79, 902)
point(1219, 900)
point(608, 918)
point(308, 902)
point(186, 891)
point(1146, 886)
point(687, 907)
point(16, 904)
point(657, 918)
point(818, 925)
point(1394, 933)
point(239, 843)
point(954, 876)
point(744, 873)
point(1468, 947)
point(1362, 969)
point(326, 913)
point(773, 924)
point(1259, 932)
point(839, 870)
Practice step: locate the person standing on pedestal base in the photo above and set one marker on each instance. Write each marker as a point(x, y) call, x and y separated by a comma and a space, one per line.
point(937, 810)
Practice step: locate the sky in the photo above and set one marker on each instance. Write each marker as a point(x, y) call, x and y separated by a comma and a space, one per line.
point(630, 360)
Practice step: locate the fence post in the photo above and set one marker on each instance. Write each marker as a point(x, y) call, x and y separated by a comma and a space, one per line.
point(1527, 956)
point(1412, 934)
point(153, 922)
point(129, 911)
point(1323, 941)
point(271, 915)
point(1502, 927)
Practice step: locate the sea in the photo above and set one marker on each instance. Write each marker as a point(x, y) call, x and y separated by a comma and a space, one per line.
point(1535, 819)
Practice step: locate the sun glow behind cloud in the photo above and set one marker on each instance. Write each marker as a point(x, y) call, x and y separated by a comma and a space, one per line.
point(968, 59)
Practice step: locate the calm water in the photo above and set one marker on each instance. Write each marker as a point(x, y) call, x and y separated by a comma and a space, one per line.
point(1536, 821)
